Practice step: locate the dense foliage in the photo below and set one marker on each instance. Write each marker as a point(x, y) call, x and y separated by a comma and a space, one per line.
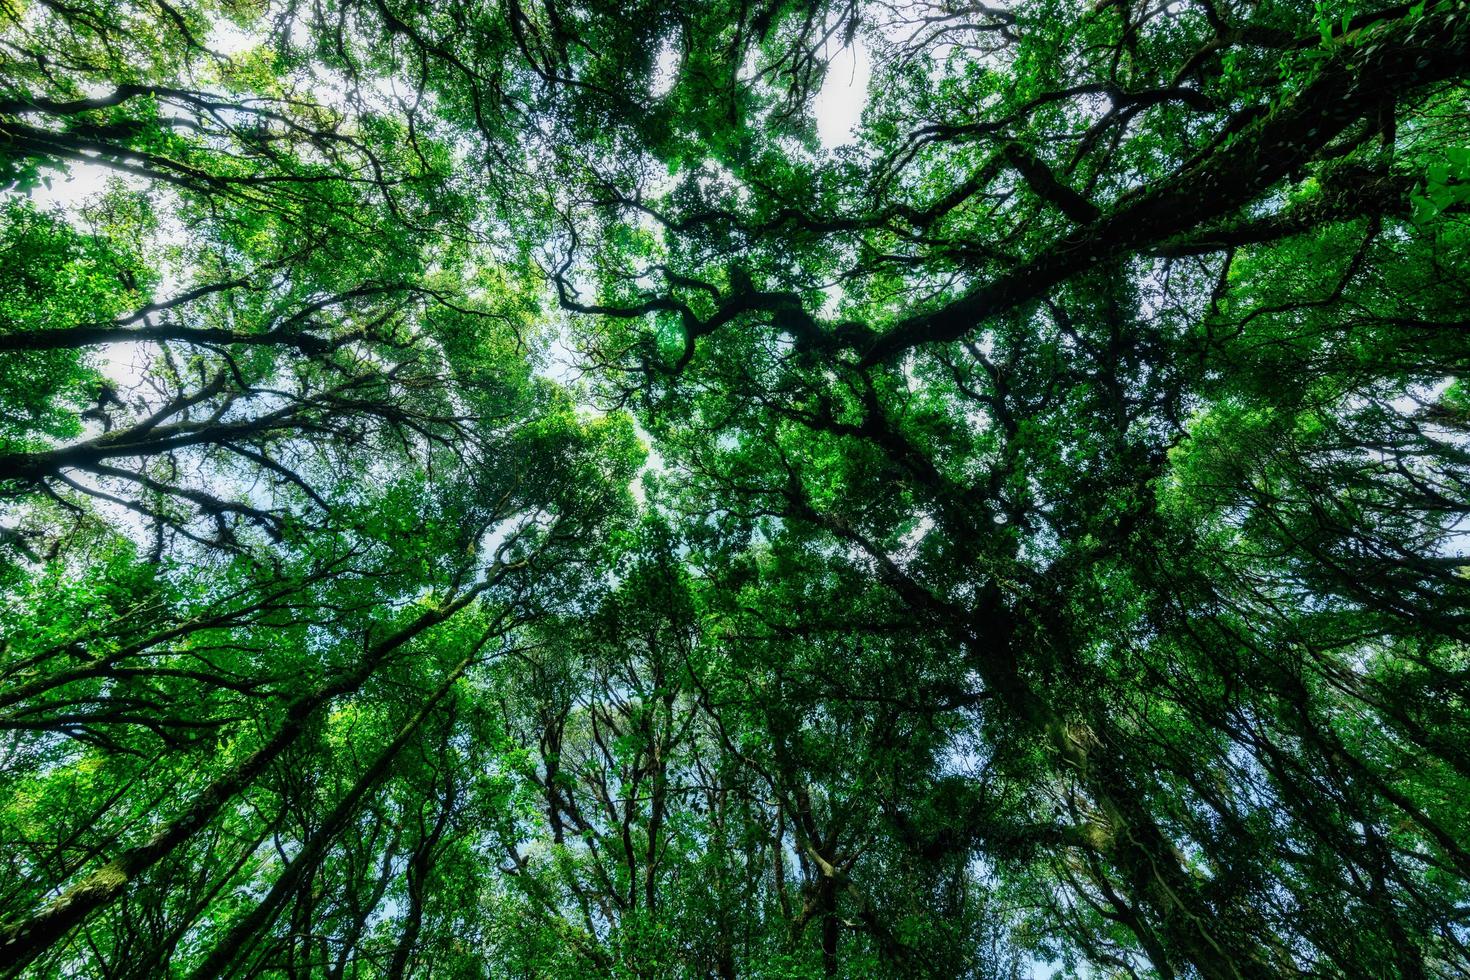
point(487, 491)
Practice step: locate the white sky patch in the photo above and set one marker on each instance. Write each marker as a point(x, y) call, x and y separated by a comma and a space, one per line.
point(1413, 401)
point(72, 189)
point(230, 39)
point(839, 105)
point(908, 545)
point(653, 463)
point(124, 364)
point(665, 69)
point(832, 298)
point(561, 362)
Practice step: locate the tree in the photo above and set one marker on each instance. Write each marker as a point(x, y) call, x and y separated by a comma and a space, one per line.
point(559, 518)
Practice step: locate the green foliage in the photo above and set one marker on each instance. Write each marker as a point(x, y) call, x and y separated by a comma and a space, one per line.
point(54, 275)
point(486, 492)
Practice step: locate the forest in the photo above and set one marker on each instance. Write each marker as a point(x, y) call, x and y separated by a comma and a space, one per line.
point(529, 489)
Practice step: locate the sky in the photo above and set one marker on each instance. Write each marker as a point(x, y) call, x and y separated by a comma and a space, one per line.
point(839, 105)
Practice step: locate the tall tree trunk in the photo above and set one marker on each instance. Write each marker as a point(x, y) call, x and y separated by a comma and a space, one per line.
point(22, 941)
point(237, 942)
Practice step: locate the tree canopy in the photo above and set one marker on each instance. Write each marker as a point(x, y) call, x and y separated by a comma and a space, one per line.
point(495, 490)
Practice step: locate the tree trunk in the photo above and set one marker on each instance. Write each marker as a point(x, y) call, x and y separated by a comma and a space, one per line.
point(24, 940)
